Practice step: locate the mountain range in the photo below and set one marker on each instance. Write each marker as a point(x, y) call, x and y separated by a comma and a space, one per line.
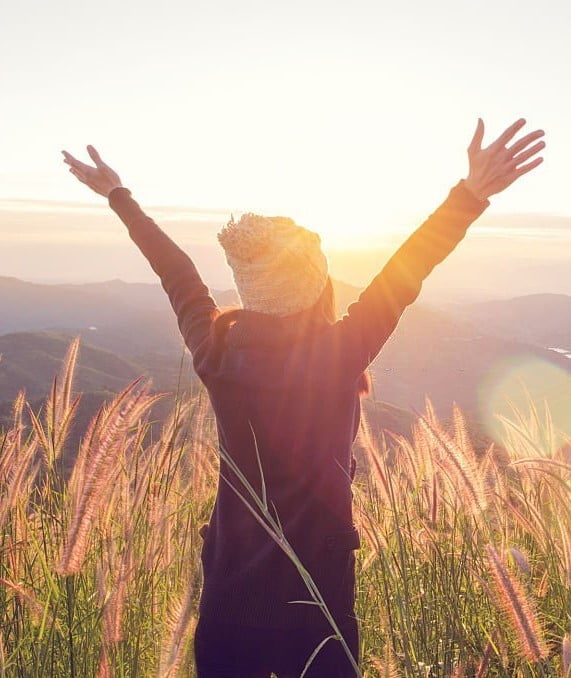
point(454, 353)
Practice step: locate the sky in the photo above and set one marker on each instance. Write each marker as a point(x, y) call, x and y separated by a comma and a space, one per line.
point(353, 118)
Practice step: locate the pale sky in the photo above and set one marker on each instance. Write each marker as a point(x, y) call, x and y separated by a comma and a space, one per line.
point(351, 117)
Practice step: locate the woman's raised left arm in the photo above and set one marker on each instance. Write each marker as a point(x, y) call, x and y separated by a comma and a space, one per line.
point(371, 319)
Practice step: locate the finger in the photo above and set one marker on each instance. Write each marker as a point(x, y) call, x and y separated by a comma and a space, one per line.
point(509, 133)
point(526, 155)
point(476, 143)
point(94, 155)
point(74, 162)
point(68, 158)
point(78, 175)
point(525, 141)
point(524, 169)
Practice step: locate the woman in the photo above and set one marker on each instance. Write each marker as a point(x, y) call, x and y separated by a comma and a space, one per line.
point(284, 379)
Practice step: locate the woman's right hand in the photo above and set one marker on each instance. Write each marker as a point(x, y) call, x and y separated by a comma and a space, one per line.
point(101, 178)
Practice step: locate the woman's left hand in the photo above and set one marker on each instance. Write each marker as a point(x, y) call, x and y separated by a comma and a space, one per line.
point(101, 178)
point(494, 168)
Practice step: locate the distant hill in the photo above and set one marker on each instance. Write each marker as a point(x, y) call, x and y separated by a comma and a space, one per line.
point(31, 361)
point(130, 319)
point(126, 329)
point(142, 296)
point(450, 359)
point(541, 319)
point(30, 306)
point(130, 329)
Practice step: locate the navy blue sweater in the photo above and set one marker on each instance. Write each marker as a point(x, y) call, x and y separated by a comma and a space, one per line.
point(292, 392)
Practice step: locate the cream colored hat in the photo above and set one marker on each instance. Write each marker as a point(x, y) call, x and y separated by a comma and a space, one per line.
point(278, 266)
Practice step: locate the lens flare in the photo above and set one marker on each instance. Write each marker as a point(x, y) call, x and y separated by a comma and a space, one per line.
point(529, 388)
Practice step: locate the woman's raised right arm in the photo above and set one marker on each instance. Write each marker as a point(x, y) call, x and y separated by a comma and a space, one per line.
point(190, 298)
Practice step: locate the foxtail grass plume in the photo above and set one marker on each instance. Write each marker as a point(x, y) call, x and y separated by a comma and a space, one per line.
point(482, 669)
point(104, 668)
point(180, 625)
point(387, 667)
point(372, 454)
point(461, 436)
point(518, 609)
point(100, 467)
point(59, 410)
point(19, 481)
point(460, 468)
point(37, 610)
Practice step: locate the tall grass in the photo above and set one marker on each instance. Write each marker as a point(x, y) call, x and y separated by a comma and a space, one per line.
point(465, 568)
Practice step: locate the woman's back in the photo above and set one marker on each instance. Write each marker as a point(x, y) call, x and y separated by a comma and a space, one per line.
point(287, 414)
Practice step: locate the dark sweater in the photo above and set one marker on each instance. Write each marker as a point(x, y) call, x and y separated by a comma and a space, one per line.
point(292, 391)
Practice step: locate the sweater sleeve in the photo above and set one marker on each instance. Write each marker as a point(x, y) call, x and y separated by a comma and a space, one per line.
point(370, 321)
point(188, 295)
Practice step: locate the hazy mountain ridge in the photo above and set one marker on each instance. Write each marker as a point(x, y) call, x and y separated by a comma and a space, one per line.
point(129, 319)
point(448, 369)
point(129, 329)
point(30, 360)
point(542, 319)
point(122, 335)
point(33, 306)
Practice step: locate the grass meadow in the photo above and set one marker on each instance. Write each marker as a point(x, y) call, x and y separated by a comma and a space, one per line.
point(465, 568)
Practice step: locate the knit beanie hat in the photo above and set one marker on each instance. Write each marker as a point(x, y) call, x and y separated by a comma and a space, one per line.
point(278, 266)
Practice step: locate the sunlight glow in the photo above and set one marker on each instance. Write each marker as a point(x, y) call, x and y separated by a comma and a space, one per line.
point(516, 382)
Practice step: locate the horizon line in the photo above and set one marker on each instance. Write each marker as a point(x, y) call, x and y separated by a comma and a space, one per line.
point(221, 210)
